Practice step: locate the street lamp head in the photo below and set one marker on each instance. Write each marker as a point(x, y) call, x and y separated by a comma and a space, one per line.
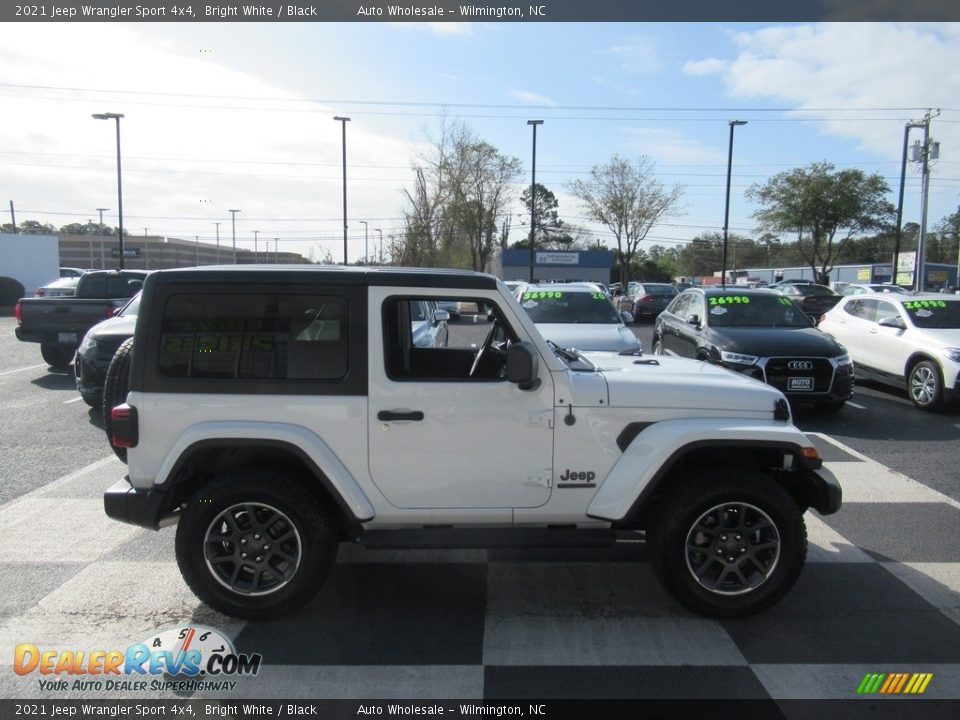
point(534, 122)
point(341, 119)
point(107, 116)
point(738, 122)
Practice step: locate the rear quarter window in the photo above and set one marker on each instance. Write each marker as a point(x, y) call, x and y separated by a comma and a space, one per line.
point(259, 336)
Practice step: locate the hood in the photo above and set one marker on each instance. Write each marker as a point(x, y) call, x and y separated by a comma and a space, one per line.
point(608, 337)
point(679, 383)
point(767, 342)
point(946, 337)
point(120, 326)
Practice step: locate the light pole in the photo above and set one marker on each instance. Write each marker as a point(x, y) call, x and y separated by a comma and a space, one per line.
point(116, 116)
point(381, 245)
point(233, 229)
point(102, 211)
point(726, 209)
point(533, 191)
point(366, 242)
point(903, 180)
point(218, 242)
point(198, 251)
point(928, 152)
point(343, 122)
point(256, 233)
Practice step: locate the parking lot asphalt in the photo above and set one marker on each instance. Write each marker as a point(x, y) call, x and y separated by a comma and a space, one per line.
point(880, 593)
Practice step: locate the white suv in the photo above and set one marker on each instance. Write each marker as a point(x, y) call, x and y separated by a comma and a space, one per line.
point(268, 446)
point(909, 341)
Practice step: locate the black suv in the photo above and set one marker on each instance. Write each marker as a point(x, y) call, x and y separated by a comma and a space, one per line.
point(759, 333)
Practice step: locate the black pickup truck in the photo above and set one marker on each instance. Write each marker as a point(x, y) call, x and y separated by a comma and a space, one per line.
point(59, 323)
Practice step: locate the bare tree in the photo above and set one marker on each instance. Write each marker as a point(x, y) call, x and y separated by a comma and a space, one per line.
point(457, 211)
point(629, 200)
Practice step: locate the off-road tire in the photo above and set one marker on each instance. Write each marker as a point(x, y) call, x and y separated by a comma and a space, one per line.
point(94, 400)
point(687, 503)
point(115, 389)
point(259, 488)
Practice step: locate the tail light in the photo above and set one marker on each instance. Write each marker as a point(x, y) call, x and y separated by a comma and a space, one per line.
point(38, 292)
point(648, 299)
point(18, 312)
point(109, 311)
point(821, 318)
point(126, 432)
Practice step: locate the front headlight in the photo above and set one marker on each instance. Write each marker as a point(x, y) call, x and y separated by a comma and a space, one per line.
point(952, 353)
point(738, 358)
point(843, 359)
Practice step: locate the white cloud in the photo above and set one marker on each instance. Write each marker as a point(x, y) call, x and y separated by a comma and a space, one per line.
point(853, 66)
point(710, 66)
point(637, 56)
point(438, 28)
point(189, 150)
point(671, 147)
point(532, 98)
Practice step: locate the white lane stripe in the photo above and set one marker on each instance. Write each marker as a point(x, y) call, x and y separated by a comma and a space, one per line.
point(60, 481)
point(76, 399)
point(907, 486)
point(29, 367)
point(853, 404)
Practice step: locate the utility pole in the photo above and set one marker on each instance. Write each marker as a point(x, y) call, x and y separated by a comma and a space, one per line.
point(255, 252)
point(218, 242)
point(533, 193)
point(13, 217)
point(927, 151)
point(343, 123)
point(366, 242)
point(146, 249)
point(233, 225)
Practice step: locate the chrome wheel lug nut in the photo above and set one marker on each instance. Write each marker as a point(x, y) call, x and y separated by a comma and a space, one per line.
point(266, 547)
point(243, 541)
point(256, 536)
point(742, 550)
point(739, 537)
point(723, 538)
point(730, 559)
point(243, 555)
point(259, 559)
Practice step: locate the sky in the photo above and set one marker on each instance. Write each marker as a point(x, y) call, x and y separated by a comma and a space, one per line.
point(240, 115)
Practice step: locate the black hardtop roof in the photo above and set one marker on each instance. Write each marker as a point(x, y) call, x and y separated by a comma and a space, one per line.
point(334, 275)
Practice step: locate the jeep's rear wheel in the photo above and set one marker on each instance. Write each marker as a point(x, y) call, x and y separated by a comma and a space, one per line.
point(255, 544)
point(729, 545)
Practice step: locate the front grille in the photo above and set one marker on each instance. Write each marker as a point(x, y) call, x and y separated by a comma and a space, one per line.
point(778, 373)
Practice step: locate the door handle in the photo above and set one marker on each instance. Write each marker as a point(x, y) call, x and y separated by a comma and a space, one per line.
point(387, 415)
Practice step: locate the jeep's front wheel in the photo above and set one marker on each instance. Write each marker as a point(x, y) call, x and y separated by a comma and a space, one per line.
point(255, 544)
point(729, 545)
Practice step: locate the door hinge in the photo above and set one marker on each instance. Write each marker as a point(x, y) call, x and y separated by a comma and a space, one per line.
point(542, 479)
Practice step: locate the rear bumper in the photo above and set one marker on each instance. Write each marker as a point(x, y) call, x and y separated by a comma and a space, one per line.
point(128, 504)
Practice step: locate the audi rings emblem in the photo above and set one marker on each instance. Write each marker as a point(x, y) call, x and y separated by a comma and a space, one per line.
point(800, 365)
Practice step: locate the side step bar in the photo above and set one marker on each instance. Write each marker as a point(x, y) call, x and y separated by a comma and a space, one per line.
point(440, 536)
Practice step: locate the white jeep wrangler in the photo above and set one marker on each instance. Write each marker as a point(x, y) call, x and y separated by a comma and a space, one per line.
point(274, 412)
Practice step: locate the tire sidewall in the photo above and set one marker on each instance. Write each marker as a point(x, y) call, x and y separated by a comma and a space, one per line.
point(937, 400)
point(670, 560)
point(317, 547)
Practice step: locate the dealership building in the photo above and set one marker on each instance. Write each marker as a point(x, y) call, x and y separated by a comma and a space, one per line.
point(556, 265)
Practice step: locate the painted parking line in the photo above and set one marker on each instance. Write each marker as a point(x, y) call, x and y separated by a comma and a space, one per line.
point(29, 367)
point(70, 402)
point(853, 404)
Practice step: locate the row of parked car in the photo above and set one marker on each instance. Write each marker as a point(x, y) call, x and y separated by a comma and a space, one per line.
point(802, 338)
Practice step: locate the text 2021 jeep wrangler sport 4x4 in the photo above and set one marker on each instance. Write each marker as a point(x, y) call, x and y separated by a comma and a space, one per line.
point(274, 412)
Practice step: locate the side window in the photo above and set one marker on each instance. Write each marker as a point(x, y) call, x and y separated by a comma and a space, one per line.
point(885, 310)
point(422, 343)
point(695, 308)
point(679, 306)
point(272, 337)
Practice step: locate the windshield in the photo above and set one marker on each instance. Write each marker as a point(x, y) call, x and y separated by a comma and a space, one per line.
point(655, 289)
point(563, 307)
point(809, 290)
point(132, 307)
point(939, 314)
point(736, 310)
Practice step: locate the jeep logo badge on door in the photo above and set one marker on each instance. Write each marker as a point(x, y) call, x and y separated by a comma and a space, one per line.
point(800, 365)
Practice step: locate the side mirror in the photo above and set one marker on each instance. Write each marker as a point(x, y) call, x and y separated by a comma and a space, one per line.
point(627, 317)
point(523, 365)
point(440, 316)
point(894, 322)
point(693, 320)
